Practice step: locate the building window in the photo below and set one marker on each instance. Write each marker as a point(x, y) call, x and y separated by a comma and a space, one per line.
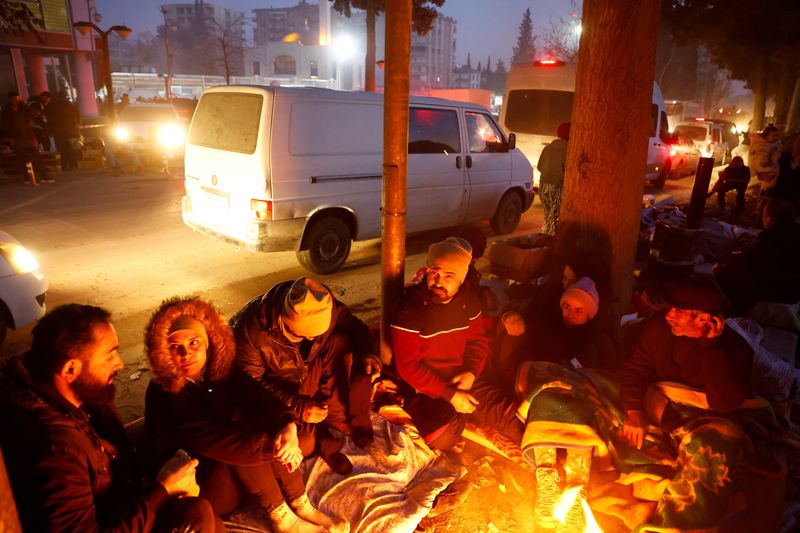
point(313, 68)
point(256, 68)
point(285, 65)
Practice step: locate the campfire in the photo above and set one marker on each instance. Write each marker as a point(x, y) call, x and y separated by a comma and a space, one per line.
point(573, 511)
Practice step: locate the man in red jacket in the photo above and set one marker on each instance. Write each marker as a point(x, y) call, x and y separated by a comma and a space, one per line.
point(439, 349)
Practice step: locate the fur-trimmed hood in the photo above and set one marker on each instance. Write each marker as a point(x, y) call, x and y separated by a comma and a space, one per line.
point(221, 346)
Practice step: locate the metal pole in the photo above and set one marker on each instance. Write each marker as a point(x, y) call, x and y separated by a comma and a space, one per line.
point(395, 163)
point(168, 81)
point(697, 204)
point(107, 72)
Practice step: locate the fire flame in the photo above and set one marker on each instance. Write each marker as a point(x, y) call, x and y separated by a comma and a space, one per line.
point(566, 502)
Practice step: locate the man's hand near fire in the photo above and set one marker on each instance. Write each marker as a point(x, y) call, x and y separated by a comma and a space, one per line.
point(286, 447)
point(314, 413)
point(634, 428)
point(464, 402)
point(463, 381)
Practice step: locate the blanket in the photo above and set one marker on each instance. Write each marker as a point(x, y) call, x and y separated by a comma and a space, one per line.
point(690, 463)
point(393, 483)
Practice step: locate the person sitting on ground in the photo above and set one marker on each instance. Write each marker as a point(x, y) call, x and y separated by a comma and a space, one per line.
point(305, 346)
point(734, 177)
point(69, 462)
point(769, 270)
point(691, 346)
point(439, 349)
point(244, 437)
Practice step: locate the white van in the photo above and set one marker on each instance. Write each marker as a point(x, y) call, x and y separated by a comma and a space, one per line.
point(539, 97)
point(298, 168)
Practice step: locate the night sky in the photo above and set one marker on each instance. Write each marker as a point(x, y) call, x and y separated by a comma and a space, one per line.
point(485, 27)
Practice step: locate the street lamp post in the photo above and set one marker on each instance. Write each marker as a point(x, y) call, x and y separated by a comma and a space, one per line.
point(168, 80)
point(85, 28)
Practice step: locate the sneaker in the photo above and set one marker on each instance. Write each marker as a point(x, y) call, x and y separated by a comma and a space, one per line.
point(547, 493)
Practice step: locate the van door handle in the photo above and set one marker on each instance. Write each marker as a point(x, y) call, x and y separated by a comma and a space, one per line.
point(458, 161)
point(469, 161)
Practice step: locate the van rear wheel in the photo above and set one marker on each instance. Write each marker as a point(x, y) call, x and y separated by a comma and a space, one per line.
point(509, 211)
point(325, 246)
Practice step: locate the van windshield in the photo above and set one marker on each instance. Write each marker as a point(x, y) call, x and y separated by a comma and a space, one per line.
point(695, 133)
point(538, 112)
point(227, 121)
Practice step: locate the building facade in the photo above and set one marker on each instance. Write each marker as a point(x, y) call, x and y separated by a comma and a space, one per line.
point(220, 22)
point(275, 24)
point(432, 56)
point(55, 58)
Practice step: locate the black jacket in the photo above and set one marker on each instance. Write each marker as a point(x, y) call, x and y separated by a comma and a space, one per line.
point(70, 469)
point(263, 352)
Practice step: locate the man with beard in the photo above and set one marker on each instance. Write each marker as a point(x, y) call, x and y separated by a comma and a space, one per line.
point(70, 466)
point(439, 348)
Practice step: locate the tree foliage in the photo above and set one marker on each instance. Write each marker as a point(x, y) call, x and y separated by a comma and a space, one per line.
point(423, 12)
point(17, 18)
point(525, 50)
point(562, 37)
point(495, 80)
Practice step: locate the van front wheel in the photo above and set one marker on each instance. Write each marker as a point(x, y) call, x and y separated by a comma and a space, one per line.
point(509, 211)
point(325, 246)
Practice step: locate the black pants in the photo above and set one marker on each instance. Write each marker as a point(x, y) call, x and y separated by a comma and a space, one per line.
point(64, 147)
point(441, 426)
point(188, 514)
point(349, 403)
point(31, 154)
point(740, 188)
point(226, 486)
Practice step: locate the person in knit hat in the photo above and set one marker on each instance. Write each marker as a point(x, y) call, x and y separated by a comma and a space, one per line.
point(244, 437)
point(579, 303)
point(439, 349)
point(305, 346)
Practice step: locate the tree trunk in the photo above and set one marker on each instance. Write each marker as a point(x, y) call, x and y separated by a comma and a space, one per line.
point(369, 59)
point(793, 120)
point(395, 163)
point(783, 95)
point(760, 96)
point(608, 143)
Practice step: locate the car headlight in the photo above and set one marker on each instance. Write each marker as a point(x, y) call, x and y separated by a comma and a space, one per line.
point(121, 134)
point(20, 259)
point(170, 135)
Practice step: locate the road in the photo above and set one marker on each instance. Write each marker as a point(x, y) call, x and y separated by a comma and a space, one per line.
point(119, 242)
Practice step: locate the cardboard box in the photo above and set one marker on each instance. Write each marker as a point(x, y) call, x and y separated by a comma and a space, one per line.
point(519, 258)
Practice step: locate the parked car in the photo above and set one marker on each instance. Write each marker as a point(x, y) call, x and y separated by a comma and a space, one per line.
point(708, 137)
point(730, 134)
point(23, 286)
point(684, 156)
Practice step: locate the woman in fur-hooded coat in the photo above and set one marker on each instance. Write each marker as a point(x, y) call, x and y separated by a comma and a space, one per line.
point(217, 414)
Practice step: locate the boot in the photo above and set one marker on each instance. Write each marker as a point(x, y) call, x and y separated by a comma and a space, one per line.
point(283, 520)
point(547, 493)
point(304, 509)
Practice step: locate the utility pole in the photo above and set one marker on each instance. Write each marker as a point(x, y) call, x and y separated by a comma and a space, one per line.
point(395, 163)
point(168, 79)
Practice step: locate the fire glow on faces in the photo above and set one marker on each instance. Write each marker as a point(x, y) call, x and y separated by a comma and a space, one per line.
point(442, 283)
point(188, 350)
point(688, 322)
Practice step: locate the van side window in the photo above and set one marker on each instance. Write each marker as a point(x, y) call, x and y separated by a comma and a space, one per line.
point(663, 131)
point(433, 131)
point(483, 134)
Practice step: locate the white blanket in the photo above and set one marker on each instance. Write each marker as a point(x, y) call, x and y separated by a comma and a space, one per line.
point(393, 483)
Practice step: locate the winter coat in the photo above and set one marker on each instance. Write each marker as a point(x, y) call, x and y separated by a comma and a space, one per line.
point(70, 468)
point(227, 417)
point(550, 340)
point(432, 342)
point(721, 366)
point(763, 157)
point(264, 353)
point(553, 163)
point(64, 118)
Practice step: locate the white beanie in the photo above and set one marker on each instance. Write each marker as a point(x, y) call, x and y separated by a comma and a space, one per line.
point(453, 254)
point(585, 291)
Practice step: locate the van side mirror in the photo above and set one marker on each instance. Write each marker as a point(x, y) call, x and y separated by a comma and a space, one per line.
point(512, 141)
